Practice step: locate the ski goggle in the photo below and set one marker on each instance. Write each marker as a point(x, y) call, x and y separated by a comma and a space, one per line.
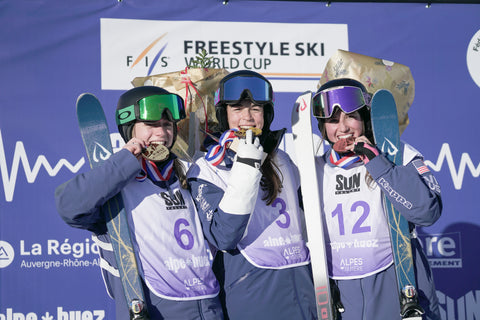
point(232, 90)
point(151, 109)
point(347, 98)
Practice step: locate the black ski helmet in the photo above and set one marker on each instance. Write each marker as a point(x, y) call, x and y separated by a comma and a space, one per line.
point(131, 99)
point(364, 111)
point(243, 93)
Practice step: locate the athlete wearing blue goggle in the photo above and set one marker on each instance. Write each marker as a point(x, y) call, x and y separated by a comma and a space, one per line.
point(151, 108)
point(347, 98)
point(232, 90)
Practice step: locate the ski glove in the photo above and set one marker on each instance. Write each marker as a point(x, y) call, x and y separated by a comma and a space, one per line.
point(250, 151)
point(366, 151)
point(244, 180)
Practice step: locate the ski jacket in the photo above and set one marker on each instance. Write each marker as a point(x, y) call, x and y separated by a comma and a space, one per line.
point(174, 259)
point(264, 262)
point(359, 253)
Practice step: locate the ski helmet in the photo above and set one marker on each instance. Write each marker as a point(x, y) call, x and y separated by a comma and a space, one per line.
point(147, 104)
point(347, 94)
point(244, 84)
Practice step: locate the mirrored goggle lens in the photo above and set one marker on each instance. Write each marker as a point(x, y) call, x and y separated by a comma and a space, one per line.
point(349, 99)
point(260, 90)
point(151, 109)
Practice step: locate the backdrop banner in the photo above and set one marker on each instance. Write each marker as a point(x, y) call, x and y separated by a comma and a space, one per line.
point(52, 51)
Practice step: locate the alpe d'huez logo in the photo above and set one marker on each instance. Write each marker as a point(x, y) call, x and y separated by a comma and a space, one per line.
point(173, 200)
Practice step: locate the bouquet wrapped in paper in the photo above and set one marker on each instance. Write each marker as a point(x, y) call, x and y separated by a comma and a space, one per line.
point(374, 74)
point(197, 87)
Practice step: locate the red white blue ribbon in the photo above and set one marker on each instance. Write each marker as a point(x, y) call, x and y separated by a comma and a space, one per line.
point(216, 153)
point(151, 170)
point(345, 161)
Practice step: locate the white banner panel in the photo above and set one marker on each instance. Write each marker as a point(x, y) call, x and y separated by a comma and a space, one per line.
point(292, 56)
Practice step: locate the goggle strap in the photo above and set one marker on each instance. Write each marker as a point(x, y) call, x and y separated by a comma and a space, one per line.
point(126, 115)
point(367, 97)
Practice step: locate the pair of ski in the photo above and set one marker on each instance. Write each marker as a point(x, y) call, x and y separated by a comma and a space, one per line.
point(387, 137)
point(96, 138)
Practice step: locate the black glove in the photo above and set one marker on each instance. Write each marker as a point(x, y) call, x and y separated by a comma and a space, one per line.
point(366, 151)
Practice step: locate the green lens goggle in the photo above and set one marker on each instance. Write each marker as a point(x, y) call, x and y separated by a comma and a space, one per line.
point(151, 109)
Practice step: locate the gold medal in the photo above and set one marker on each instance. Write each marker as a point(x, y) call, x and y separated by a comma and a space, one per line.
point(156, 152)
point(243, 131)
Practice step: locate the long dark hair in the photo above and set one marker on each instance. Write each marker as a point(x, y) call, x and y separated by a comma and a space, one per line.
point(272, 179)
point(180, 170)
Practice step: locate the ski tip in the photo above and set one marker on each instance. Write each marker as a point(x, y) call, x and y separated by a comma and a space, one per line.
point(303, 99)
point(86, 95)
point(382, 93)
point(382, 101)
point(87, 99)
point(302, 103)
point(306, 94)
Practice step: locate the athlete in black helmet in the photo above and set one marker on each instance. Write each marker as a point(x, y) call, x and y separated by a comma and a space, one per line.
point(248, 205)
point(174, 260)
point(354, 175)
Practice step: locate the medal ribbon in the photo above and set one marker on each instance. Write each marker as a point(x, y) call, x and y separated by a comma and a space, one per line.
point(151, 170)
point(345, 161)
point(216, 153)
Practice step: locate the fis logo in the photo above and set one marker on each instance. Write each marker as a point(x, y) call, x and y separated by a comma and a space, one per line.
point(173, 201)
point(143, 56)
point(347, 184)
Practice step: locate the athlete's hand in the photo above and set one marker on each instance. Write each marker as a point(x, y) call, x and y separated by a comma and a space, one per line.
point(250, 151)
point(365, 150)
point(135, 146)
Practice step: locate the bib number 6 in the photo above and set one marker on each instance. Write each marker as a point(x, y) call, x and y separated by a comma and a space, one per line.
point(182, 235)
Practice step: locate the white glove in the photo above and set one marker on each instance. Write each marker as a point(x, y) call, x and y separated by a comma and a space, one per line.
point(250, 151)
point(244, 181)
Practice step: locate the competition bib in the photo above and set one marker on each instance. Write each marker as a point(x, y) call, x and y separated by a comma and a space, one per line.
point(358, 234)
point(274, 237)
point(174, 258)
